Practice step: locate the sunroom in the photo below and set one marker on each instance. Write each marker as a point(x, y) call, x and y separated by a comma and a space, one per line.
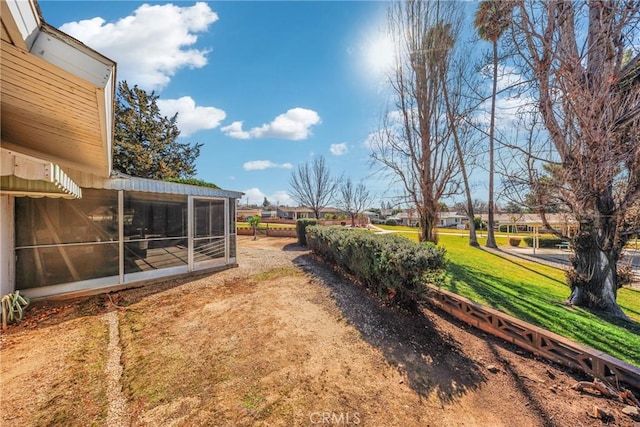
point(129, 231)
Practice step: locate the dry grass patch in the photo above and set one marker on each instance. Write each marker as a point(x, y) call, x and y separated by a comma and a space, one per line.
point(41, 387)
point(246, 352)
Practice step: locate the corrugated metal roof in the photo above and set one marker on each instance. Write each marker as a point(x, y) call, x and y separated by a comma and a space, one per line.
point(152, 186)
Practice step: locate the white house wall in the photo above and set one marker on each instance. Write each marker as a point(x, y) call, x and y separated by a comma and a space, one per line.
point(6, 244)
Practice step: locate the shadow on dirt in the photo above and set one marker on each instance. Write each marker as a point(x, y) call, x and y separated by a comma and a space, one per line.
point(294, 247)
point(431, 360)
point(532, 400)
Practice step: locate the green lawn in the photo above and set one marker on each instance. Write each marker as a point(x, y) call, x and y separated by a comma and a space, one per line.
point(535, 293)
point(264, 225)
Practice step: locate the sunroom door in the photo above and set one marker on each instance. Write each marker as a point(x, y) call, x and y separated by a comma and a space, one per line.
point(210, 243)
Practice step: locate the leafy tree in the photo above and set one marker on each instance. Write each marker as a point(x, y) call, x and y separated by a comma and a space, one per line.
point(513, 207)
point(491, 20)
point(479, 224)
point(266, 203)
point(146, 142)
point(254, 221)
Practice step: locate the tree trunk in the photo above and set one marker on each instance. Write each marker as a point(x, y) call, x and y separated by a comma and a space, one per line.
point(427, 225)
point(473, 239)
point(491, 238)
point(593, 276)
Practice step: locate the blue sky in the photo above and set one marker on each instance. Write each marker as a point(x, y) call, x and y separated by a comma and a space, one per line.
point(264, 85)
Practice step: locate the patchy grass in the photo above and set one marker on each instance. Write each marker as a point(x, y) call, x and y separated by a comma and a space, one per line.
point(159, 367)
point(78, 395)
point(277, 273)
point(536, 293)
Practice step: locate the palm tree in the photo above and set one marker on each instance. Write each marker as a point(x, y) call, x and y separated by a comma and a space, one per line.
point(491, 20)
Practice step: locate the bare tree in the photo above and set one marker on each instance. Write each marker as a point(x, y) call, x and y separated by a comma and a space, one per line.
point(589, 102)
point(415, 144)
point(458, 121)
point(312, 185)
point(353, 199)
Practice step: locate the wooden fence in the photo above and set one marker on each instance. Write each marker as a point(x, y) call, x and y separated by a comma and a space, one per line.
point(537, 340)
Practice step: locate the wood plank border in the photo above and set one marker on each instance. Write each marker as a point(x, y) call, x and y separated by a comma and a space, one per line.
point(535, 339)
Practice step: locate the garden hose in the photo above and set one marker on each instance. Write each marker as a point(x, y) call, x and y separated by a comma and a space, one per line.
point(13, 306)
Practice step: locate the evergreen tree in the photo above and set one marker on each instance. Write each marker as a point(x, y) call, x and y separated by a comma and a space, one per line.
point(146, 142)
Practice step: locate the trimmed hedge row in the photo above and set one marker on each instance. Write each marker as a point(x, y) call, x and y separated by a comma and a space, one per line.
point(301, 227)
point(393, 267)
point(544, 241)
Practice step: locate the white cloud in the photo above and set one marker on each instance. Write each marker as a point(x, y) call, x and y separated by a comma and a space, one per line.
point(339, 149)
point(295, 124)
point(281, 198)
point(509, 110)
point(373, 140)
point(150, 45)
point(191, 118)
point(264, 164)
point(254, 196)
point(234, 130)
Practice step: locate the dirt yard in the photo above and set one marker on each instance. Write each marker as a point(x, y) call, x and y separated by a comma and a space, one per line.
point(280, 341)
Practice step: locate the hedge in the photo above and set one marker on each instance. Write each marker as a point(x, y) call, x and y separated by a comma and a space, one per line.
point(393, 267)
point(544, 241)
point(301, 226)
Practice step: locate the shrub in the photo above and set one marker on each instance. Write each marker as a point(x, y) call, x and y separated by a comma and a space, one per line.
point(514, 241)
point(544, 241)
point(192, 181)
point(393, 267)
point(301, 226)
point(391, 222)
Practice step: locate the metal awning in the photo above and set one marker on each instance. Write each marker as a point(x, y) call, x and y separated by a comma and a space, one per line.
point(24, 175)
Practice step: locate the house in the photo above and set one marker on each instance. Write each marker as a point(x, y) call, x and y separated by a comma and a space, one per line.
point(244, 213)
point(304, 212)
point(408, 218)
point(451, 220)
point(528, 222)
point(69, 223)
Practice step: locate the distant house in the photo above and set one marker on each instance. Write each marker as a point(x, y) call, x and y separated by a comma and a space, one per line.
point(304, 212)
point(529, 222)
point(69, 223)
point(451, 220)
point(244, 213)
point(407, 218)
point(410, 218)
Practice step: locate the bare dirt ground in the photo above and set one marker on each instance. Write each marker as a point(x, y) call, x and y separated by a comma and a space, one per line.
point(280, 341)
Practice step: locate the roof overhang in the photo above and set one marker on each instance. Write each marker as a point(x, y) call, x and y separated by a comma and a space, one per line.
point(22, 175)
point(56, 95)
